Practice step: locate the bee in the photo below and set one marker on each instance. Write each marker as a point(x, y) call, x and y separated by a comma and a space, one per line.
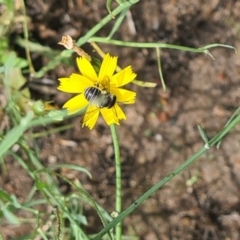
point(99, 98)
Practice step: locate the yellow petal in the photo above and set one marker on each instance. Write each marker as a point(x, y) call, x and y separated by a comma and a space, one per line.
point(76, 104)
point(109, 115)
point(86, 68)
point(91, 116)
point(76, 83)
point(119, 112)
point(108, 67)
point(123, 95)
point(113, 115)
point(123, 77)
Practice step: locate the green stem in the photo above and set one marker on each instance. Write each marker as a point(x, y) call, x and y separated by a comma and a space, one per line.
point(166, 179)
point(118, 179)
point(158, 45)
point(26, 36)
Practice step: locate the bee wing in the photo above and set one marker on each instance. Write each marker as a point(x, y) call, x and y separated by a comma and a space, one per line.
point(91, 116)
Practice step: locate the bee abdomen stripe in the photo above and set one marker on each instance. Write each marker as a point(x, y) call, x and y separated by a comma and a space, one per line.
point(91, 94)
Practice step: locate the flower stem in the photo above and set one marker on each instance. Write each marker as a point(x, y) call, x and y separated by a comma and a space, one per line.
point(158, 45)
point(118, 179)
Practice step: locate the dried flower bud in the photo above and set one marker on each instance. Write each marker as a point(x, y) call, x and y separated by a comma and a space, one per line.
point(70, 44)
point(67, 42)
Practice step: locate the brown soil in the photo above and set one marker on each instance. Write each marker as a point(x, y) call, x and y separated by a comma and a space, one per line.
point(161, 128)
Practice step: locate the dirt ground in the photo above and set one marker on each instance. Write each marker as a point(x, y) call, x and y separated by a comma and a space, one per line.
point(161, 128)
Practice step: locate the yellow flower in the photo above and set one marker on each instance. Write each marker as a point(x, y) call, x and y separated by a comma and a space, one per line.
point(99, 92)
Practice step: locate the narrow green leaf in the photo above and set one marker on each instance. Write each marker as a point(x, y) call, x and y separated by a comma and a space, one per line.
point(12, 219)
point(4, 195)
point(203, 135)
point(70, 166)
point(108, 5)
point(118, 22)
point(160, 69)
point(13, 136)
